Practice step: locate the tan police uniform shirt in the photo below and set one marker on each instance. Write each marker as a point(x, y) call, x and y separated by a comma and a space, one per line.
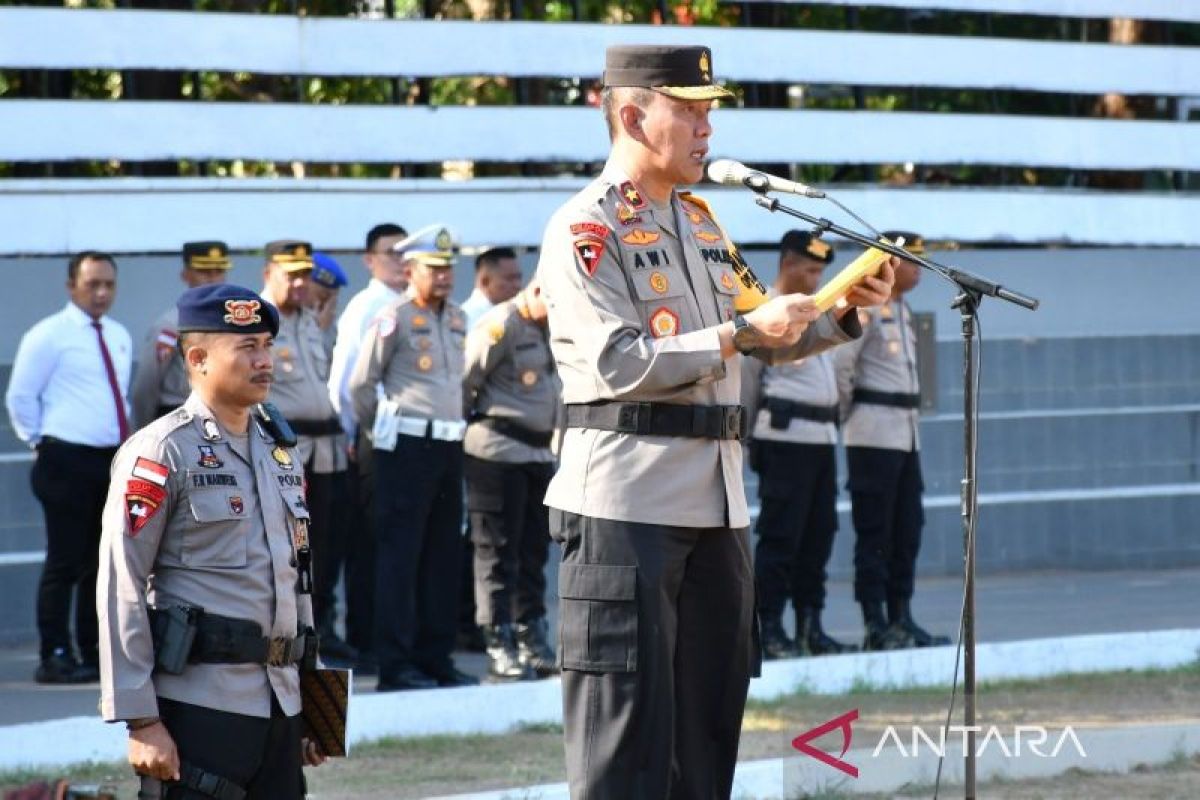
point(885, 360)
point(635, 296)
point(160, 378)
point(189, 521)
point(417, 354)
point(809, 380)
point(509, 374)
point(301, 388)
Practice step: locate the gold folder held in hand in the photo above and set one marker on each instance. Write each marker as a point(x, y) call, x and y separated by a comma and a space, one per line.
point(324, 702)
point(866, 264)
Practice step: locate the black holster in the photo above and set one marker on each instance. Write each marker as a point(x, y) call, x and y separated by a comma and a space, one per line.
point(173, 630)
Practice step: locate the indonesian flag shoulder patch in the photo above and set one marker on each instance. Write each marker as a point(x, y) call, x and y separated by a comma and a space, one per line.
point(151, 471)
point(589, 251)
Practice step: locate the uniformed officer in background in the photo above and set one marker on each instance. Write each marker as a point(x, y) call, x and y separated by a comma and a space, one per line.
point(204, 563)
point(880, 395)
point(511, 394)
point(160, 381)
point(795, 410)
point(415, 349)
point(301, 393)
point(656, 587)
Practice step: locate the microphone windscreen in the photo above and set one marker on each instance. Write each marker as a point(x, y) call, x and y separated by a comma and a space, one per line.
point(725, 171)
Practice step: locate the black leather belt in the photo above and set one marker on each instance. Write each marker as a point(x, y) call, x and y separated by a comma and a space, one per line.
point(660, 419)
point(784, 411)
point(208, 783)
point(226, 640)
point(893, 399)
point(515, 430)
point(316, 427)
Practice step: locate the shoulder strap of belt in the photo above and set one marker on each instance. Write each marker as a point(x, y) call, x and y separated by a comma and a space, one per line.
point(208, 783)
point(751, 291)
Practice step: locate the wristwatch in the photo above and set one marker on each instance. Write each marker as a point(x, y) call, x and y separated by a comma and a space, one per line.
point(745, 335)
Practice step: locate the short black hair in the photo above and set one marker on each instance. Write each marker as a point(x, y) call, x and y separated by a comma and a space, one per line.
point(382, 230)
point(77, 261)
point(492, 256)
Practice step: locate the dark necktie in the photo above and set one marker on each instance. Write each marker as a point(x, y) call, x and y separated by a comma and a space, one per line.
point(122, 420)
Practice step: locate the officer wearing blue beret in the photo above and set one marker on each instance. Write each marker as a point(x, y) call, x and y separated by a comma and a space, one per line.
point(203, 593)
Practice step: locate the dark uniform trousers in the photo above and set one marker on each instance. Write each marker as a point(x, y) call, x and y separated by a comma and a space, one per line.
point(261, 755)
point(326, 540)
point(657, 645)
point(885, 494)
point(418, 502)
point(511, 533)
point(360, 547)
point(797, 484)
point(71, 482)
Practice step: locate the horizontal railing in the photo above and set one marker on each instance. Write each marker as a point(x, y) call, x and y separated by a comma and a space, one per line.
point(48, 130)
point(40, 38)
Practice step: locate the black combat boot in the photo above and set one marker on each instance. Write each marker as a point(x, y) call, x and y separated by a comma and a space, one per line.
point(879, 635)
point(775, 641)
point(503, 661)
point(811, 638)
point(533, 647)
point(900, 614)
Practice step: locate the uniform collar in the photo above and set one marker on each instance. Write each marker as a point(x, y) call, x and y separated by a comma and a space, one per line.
point(206, 422)
point(81, 317)
point(376, 286)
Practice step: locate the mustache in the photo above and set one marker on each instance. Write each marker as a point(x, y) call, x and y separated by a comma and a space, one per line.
point(263, 377)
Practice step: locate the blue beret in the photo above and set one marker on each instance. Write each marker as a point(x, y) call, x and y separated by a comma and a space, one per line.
point(327, 271)
point(225, 308)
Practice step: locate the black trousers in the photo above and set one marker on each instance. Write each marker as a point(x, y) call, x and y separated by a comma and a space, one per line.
point(797, 486)
point(418, 504)
point(71, 483)
point(327, 541)
point(510, 530)
point(657, 644)
point(260, 755)
point(885, 494)
point(360, 547)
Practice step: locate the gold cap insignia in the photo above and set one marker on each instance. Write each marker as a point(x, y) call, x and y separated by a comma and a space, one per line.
point(242, 312)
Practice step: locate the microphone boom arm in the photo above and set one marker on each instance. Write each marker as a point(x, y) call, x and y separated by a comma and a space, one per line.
point(967, 281)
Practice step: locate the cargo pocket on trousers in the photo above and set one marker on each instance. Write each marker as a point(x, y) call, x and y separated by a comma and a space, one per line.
point(598, 619)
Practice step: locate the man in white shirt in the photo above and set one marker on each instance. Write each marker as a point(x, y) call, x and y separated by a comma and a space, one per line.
point(497, 280)
point(68, 399)
point(389, 279)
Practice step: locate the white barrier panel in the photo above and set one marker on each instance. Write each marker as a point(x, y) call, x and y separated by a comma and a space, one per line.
point(1170, 10)
point(52, 130)
point(112, 39)
point(155, 215)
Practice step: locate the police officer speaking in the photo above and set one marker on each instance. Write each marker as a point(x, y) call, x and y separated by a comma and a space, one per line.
point(655, 585)
point(204, 574)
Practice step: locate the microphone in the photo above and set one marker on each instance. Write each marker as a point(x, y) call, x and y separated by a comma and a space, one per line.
point(734, 173)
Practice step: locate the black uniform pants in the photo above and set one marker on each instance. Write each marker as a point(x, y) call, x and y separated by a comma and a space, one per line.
point(885, 495)
point(327, 542)
point(71, 482)
point(360, 547)
point(797, 486)
point(260, 755)
point(511, 533)
point(418, 503)
point(657, 645)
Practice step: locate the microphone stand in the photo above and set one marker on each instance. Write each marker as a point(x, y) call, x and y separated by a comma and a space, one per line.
point(971, 291)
